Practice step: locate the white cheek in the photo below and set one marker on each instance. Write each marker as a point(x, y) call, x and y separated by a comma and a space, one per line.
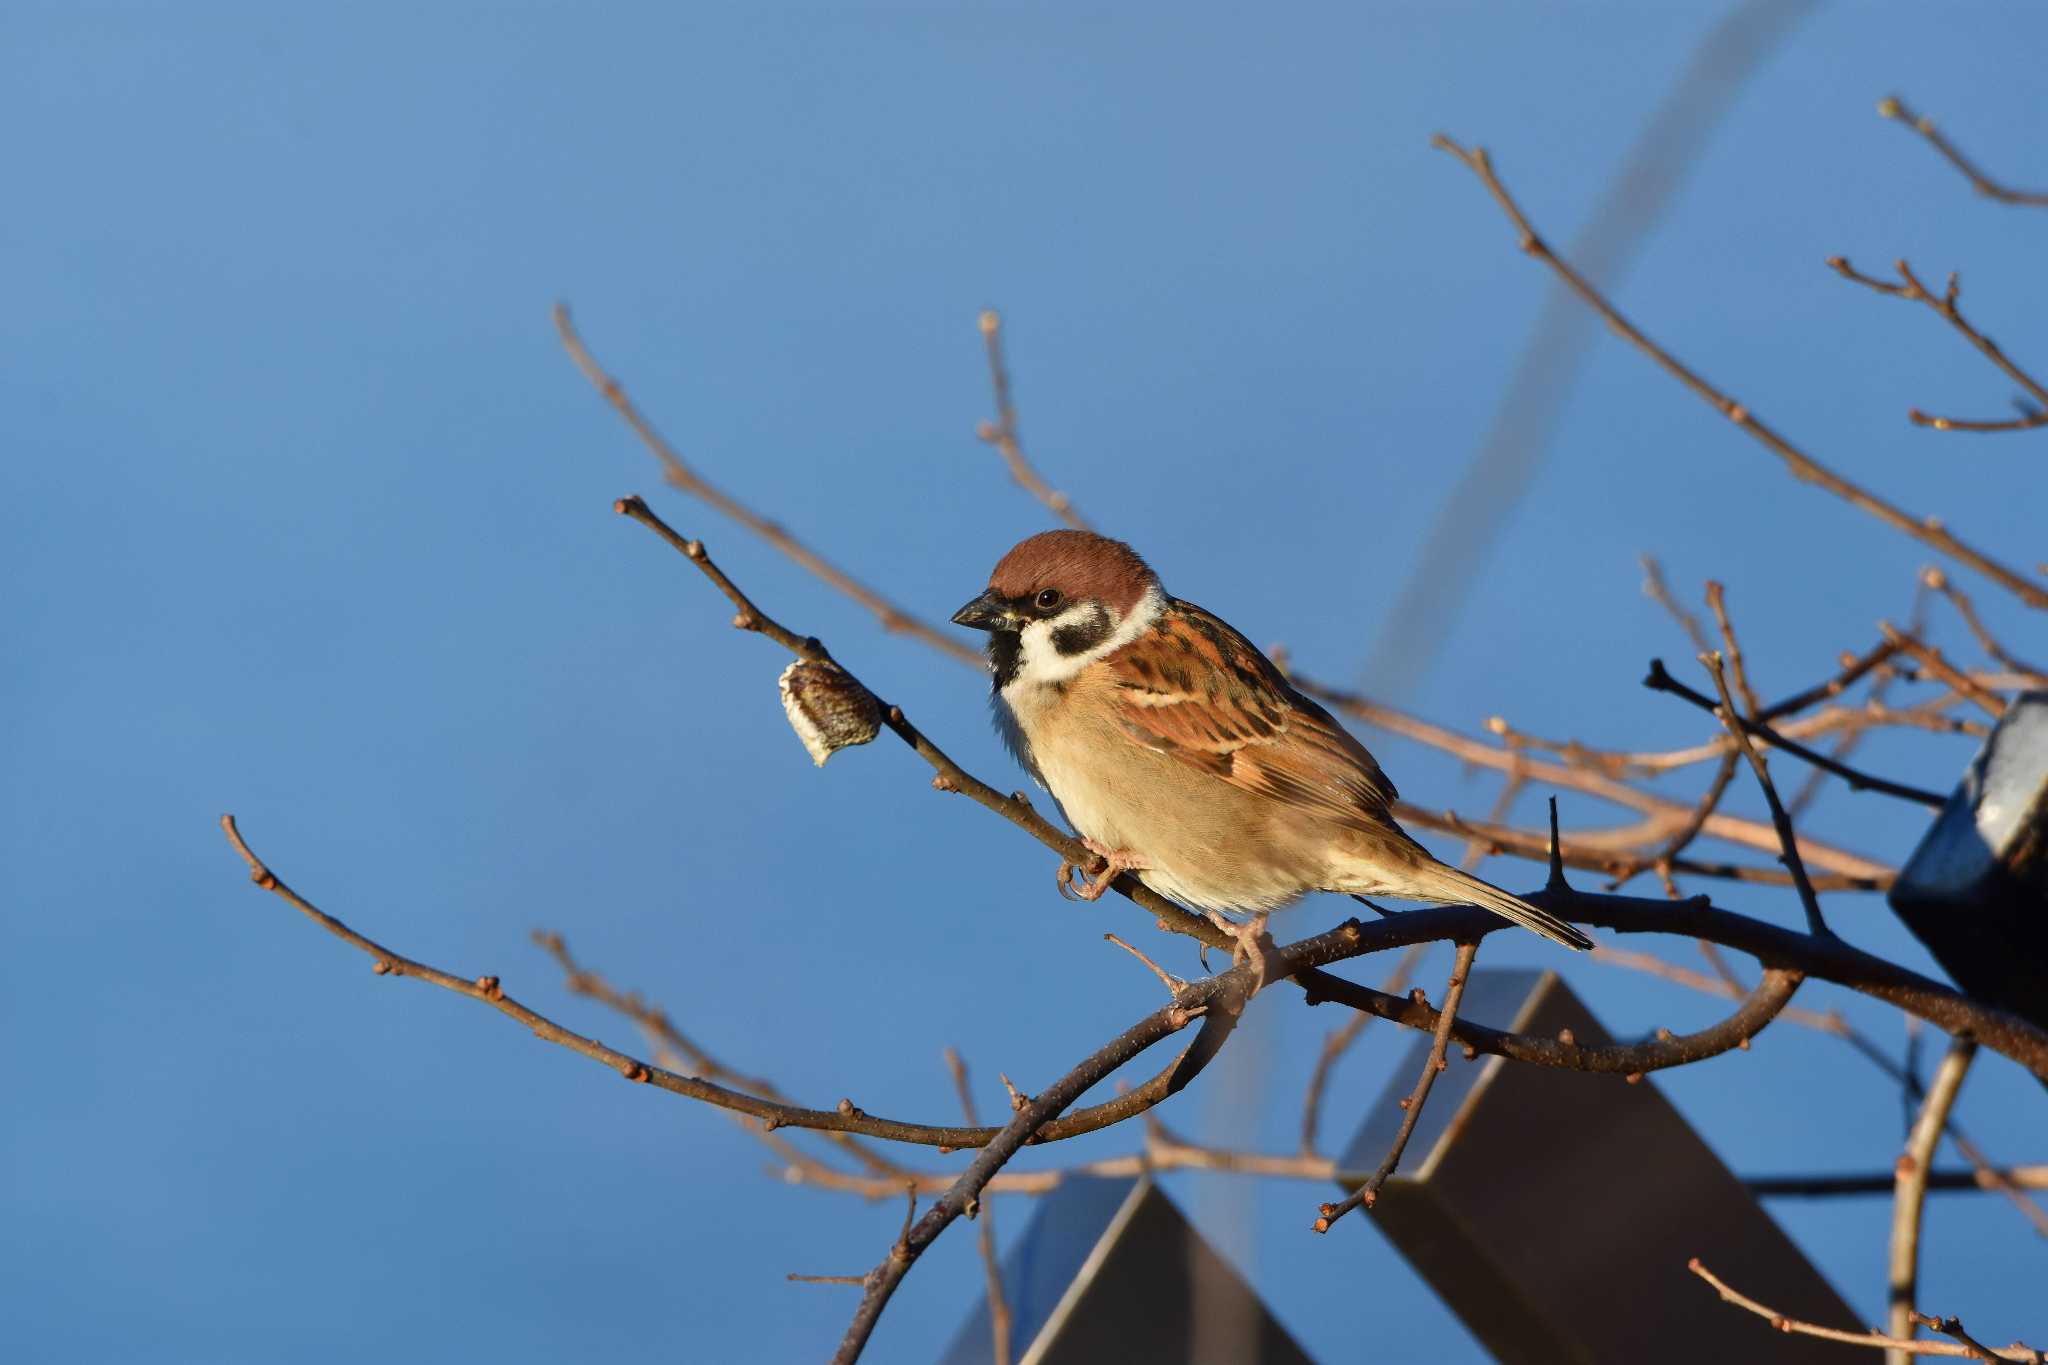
point(1039, 661)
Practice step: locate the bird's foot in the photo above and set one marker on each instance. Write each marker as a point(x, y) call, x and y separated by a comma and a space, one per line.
point(1248, 947)
point(1116, 862)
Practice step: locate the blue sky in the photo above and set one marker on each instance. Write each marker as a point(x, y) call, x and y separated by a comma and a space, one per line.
point(306, 517)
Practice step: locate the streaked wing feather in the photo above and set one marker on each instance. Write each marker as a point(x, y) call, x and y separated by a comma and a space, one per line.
point(1194, 688)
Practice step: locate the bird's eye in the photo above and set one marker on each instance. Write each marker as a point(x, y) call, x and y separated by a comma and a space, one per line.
point(1048, 599)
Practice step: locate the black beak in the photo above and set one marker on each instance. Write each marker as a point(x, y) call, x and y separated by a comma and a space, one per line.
point(986, 612)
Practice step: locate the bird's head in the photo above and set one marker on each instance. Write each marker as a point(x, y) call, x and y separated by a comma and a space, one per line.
point(1059, 600)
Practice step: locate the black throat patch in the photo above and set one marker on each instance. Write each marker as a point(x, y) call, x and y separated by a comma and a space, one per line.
point(1005, 654)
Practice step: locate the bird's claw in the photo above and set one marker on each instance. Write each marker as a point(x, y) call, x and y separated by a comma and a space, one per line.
point(1115, 862)
point(1245, 946)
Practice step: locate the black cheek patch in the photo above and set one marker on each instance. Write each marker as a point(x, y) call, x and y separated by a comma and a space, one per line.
point(1083, 635)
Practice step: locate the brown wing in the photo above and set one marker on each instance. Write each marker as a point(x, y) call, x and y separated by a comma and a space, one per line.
point(1194, 688)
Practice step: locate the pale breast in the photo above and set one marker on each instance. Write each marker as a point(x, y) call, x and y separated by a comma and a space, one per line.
point(1209, 844)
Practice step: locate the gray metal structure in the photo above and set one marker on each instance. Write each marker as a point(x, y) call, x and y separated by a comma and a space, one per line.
point(1554, 1211)
point(1976, 889)
point(1110, 1272)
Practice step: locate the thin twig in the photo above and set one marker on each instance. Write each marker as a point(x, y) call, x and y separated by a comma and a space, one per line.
point(1937, 663)
point(991, 1264)
point(1852, 672)
point(1892, 107)
point(674, 1050)
point(1748, 833)
point(847, 1117)
point(1726, 987)
point(1660, 680)
point(1228, 995)
point(1829, 959)
point(1910, 288)
point(1339, 1042)
point(1717, 600)
point(2033, 1177)
point(1665, 861)
point(1936, 581)
point(1369, 1193)
point(682, 476)
point(1928, 530)
point(1002, 432)
point(1954, 1349)
point(1910, 1196)
point(1612, 851)
point(1174, 985)
point(1659, 591)
point(1789, 841)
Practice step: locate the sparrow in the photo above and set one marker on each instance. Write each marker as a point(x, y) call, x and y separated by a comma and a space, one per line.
point(1179, 753)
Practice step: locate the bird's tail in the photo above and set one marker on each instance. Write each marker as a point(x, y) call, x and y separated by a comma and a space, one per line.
point(1435, 881)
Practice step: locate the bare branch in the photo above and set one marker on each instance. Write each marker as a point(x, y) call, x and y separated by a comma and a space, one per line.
point(1369, 1193)
point(1660, 680)
point(1815, 924)
point(1174, 985)
point(1717, 600)
point(1779, 1322)
point(1892, 107)
point(1910, 288)
point(846, 1117)
point(1937, 664)
point(1659, 591)
point(1749, 833)
point(1910, 1196)
point(1339, 1042)
point(1928, 530)
point(675, 1051)
point(1937, 581)
point(1224, 994)
point(680, 475)
point(991, 1265)
point(1002, 432)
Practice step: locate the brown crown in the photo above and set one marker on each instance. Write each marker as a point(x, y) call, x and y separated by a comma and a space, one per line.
point(1080, 564)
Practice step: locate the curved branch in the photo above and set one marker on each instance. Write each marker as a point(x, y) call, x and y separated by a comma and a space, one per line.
point(1963, 1347)
point(1909, 1197)
point(1368, 1192)
point(1016, 807)
point(680, 475)
point(1225, 996)
point(1911, 289)
point(1660, 680)
point(1758, 1009)
point(1002, 432)
point(1827, 958)
point(1748, 833)
point(1927, 530)
point(847, 1118)
point(1892, 107)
